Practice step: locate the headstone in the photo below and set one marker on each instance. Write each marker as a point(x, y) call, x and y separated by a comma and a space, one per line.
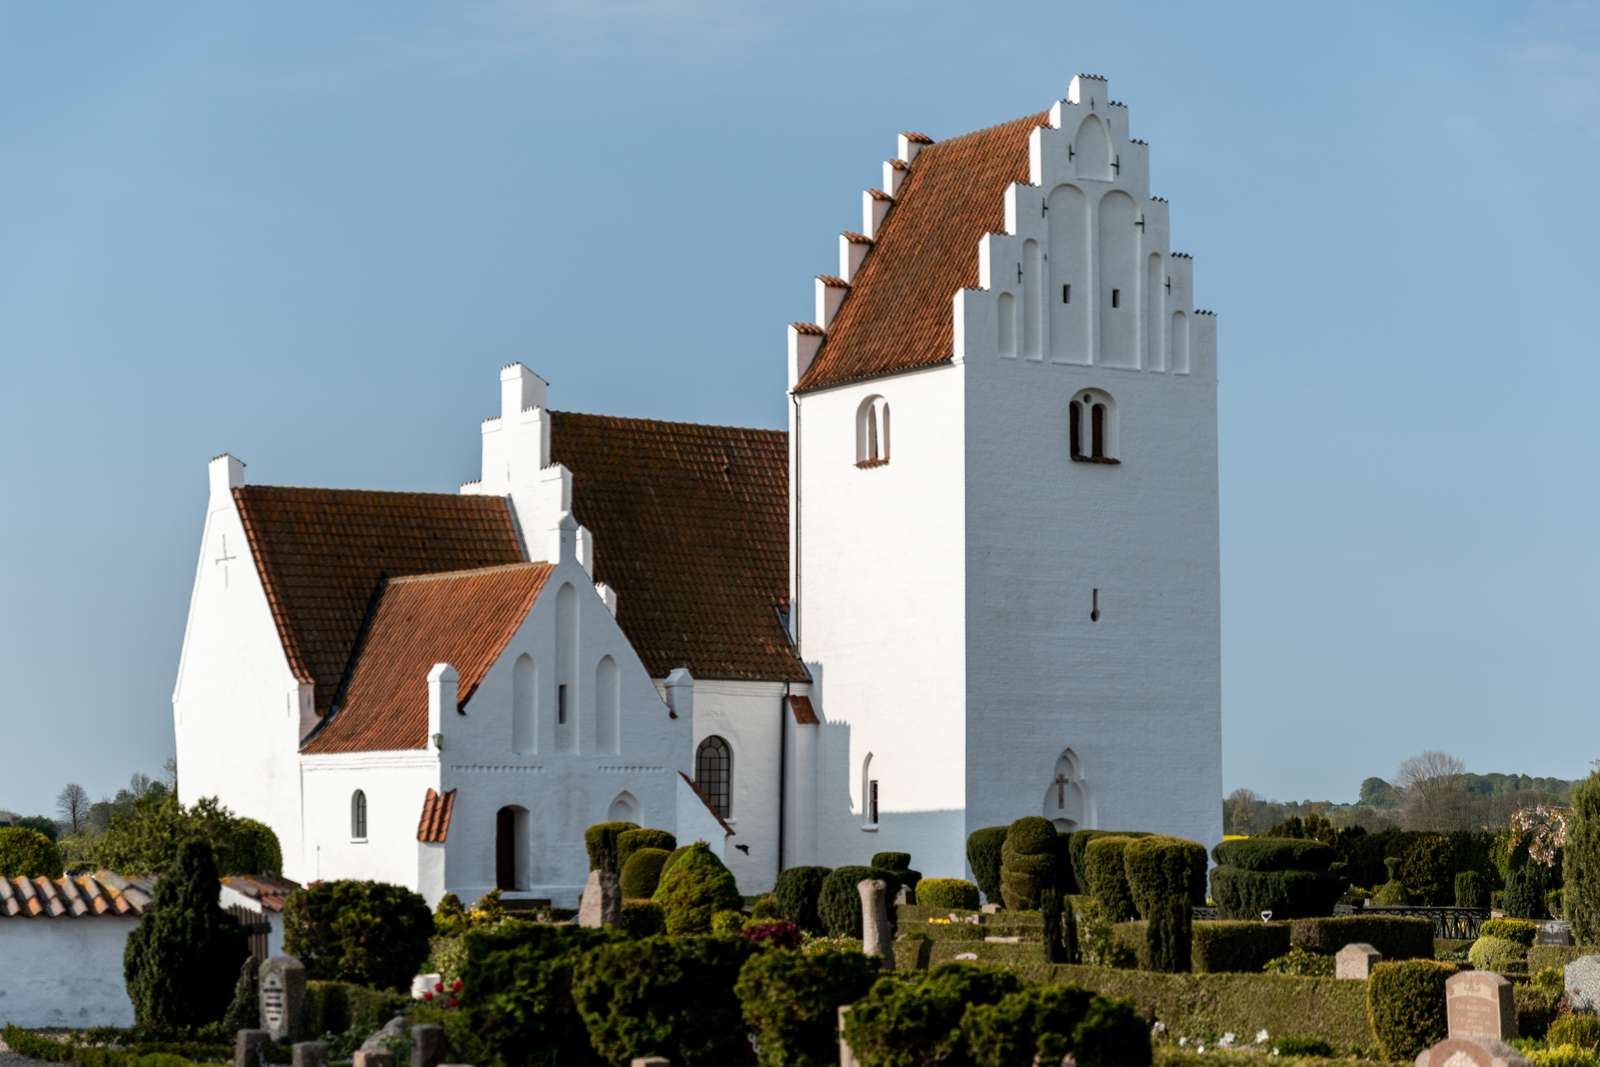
point(902, 895)
point(310, 1054)
point(1473, 1052)
point(283, 993)
point(847, 1058)
point(427, 1045)
point(372, 1058)
point(601, 904)
point(991, 909)
point(1355, 961)
point(250, 1048)
point(422, 984)
point(1554, 932)
point(1583, 983)
point(651, 1061)
point(385, 1038)
point(966, 955)
point(877, 938)
point(1479, 1004)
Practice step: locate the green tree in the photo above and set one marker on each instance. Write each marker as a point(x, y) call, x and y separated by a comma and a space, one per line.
point(182, 961)
point(144, 838)
point(42, 823)
point(1581, 901)
point(26, 853)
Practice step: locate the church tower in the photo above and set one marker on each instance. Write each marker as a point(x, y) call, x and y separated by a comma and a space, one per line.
point(1004, 495)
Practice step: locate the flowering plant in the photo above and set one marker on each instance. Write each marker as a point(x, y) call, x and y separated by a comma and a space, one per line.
point(1543, 828)
point(779, 934)
point(450, 996)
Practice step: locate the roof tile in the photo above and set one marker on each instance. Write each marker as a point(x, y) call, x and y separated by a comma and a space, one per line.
point(434, 826)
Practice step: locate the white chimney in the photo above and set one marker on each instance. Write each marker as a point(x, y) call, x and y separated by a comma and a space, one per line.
point(564, 539)
point(680, 694)
point(226, 474)
point(608, 597)
point(443, 682)
point(804, 340)
point(520, 390)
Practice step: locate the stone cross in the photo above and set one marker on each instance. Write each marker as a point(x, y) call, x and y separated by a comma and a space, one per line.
point(876, 938)
point(1583, 983)
point(1355, 961)
point(1479, 1004)
point(601, 904)
point(1061, 791)
point(310, 1054)
point(427, 1045)
point(250, 1048)
point(1473, 1052)
point(283, 994)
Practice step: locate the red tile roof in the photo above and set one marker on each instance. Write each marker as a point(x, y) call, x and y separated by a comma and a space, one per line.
point(897, 315)
point(462, 618)
point(434, 826)
point(322, 552)
point(269, 890)
point(691, 528)
point(707, 802)
point(804, 714)
point(74, 896)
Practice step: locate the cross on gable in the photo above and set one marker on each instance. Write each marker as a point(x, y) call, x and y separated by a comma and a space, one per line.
point(224, 560)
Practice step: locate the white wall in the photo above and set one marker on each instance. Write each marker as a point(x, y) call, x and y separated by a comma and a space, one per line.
point(237, 709)
point(395, 784)
point(750, 717)
point(64, 972)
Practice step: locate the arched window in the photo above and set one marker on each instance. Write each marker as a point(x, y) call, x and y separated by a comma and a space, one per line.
point(869, 794)
point(1092, 427)
point(358, 816)
point(713, 773)
point(872, 432)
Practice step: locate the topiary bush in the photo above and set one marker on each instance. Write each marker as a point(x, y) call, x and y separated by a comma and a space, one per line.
point(26, 853)
point(1525, 890)
point(1580, 903)
point(1158, 868)
point(337, 1007)
point(955, 893)
point(1113, 1034)
point(1472, 890)
point(600, 840)
point(797, 890)
point(642, 873)
point(1522, 931)
point(631, 841)
point(1027, 862)
point(1076, 847)
point(839, 901)
point(693, 889)
point(643, 918)
point(1034, 1025)
point(330, 927)
point(1168, 934)
point(1427, 869)
point(1237, 946)
point(983, 856)
point(1498, 954)
point(791, 1003)
point(1391, 894)
point(182, 961)
point(1397, 937)
point(1302, 963)
point(891, 861)
point(1405, 1006)
point(664, 996)
point(518, 992)
point(1275, 854)
point(915, 1020)
point(1578, 1030)
point(1107, 877)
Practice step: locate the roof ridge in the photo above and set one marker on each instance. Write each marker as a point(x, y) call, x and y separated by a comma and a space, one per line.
point(466, 572)
point(354, 489)
point(644, 421)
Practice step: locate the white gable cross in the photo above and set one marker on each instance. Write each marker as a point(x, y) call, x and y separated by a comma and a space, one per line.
point(224, 559)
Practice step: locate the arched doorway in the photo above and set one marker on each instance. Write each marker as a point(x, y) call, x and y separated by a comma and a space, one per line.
point(511, 848)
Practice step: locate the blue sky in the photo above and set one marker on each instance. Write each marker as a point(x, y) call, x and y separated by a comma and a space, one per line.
point(309, 234)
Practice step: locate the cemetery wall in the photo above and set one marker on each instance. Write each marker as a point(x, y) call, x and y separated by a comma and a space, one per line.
point(64, 972)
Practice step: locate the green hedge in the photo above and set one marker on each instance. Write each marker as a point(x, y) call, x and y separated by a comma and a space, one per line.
point(1027, 862)
point(694, 888)
point(518, 992)
point(643, 918)
point(1159, 868)
point(1498, 954)
point(1557, 956)
point(334, 1007)
point(1106, 872)
point(1397, 937)
point(1275, 854)
point(1472, 890)
point(26, 853)
point(791, 1002)
point(839, 902)
point(797, 890)
point(1581, 862)
point(602, 843)
point(143, 1054)
point(631, 841)
point(1405, 1006)
point(891, 861)
point(1077, 843)
point(641, 873)
point(329, 927)
point(1244, 893)
point(983, 856)
point(1242, 947)
point(952, 893)
point(1522, 931)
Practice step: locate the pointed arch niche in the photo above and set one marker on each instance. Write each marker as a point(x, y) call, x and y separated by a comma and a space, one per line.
point(624, 809)
point(1067, 802)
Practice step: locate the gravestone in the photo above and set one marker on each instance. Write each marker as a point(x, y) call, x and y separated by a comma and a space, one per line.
point(310, 1054)
point(427, 1045)
point(1554, 932)
point(1473, 1052)
point(601, 904)
point(877, 938)
point(1356, 961)
point(651, 1061)
point(1583, 983)
point(847, 1058)
point(1479, 1004)
point(283, 994)
point(372, 1058)
point(385, 1038)
point(990, 909)
point(250, 1048)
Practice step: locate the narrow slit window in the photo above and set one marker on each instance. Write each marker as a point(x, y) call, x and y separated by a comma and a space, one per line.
point(1116, 298)
point(561, 705)
point(1066, 293)
point(1075, 429)
point(872, 809)
point(1097, 431)
point(1094, 607)
point(358, 815)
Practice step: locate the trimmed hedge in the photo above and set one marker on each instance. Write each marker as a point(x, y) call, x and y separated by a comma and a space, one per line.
point(631, 841)
point(26, 853)
point(1405, 1006)
point(1169, 936)
point(643, 918)
point(1242, 893)
point(1398, 937)
point(891, 861)
point(1557, 956)
point(1498, 954)
point(328, 926)
point(1107, 877)
point(956, 893)
point(1522, 931)
point(983, 856)
point(1030, 1026)
point(791, 1002)
point(1078, 842)
point(695, 888)
point(1427, 869)
point(1158, 868)
point(1472, 891)
point(1275, 854)
point(797, 890)
point(334, 1007)
point(911, 1022)
point(1580, 863)
point(641, 874)
point(1241, 947)
point(1027, 862)
point(600, 841)
point(839, 902)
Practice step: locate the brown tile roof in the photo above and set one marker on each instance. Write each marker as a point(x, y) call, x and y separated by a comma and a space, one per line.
point(434, 826)
point(74, 896)
point(897, 315)
point(463, 618)
point(270, 890)
point(707, 802)
point(804, 713)
point(321, 553)
point(691, 528)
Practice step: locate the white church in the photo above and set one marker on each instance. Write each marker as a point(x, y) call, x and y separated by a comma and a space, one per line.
point(976, 579)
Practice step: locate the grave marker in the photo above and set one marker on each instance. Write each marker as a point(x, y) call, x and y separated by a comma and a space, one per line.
point(1479, 1004)
point(283, 994)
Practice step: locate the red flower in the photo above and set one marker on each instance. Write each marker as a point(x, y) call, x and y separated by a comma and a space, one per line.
point(438, 987)
point(456, 985)
point(454, 1003)
point(427, 995)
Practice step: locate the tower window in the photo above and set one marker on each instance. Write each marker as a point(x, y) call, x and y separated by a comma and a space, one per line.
point(872, 802)
point(1116, 298)
point(358, 816)
point(1066, 294)
point(561, 705)
point(713, 773)
point(872, 432)
point(1092, 428)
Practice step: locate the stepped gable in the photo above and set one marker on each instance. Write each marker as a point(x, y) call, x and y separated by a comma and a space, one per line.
point(897, 315)
point(322, 552)
point(463, 618)
point(691, 528)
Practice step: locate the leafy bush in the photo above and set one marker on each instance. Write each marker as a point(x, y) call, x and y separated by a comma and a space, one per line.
point(145, 838)
point(1427, 869)
point(1027, 862)
point(727, 922)
point(1562, 1056)
point(1113, 1034)
point(600, 841)
point(778, 933)
point(1536, 1008)
point(1522, 931)
point(957, 893)
point(337, 1007)
point(1581, 863)
point(914, 1021)
point(1472, 890)
point(1161, 867)
point(643, 918)
point(1060, 928)
point(244, 1010)
point(329, 926)
point(1391, 894)
point(694, 889)
point(1034, 1025)
point(1238, 946)
point(181, 962)
point(1553, 903)
point(1405, 1006)
point(983, 856)
point(1076, 850)
point(797, 890)
point(1525, 889)
point(518, 996)
point(891, 861)
point(631, 841)
point(766, 907)
point(791, 1003)
point(641, 874)
point(1576, 1029)
point(664, 996)
point(839, 902)
point(1245, 894)
point(1168, 935)
point(1397, 937)
point(1498, 954)
point(26, 853)
point(1275, 854)
point(1107, 877)
point(1302, 963)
